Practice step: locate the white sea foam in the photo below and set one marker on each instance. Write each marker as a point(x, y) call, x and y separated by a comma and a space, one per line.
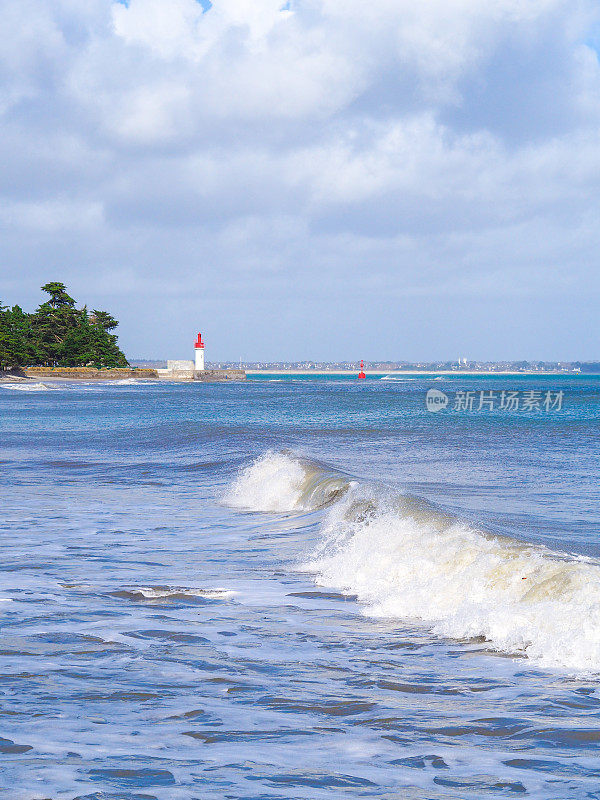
point(278, 482)
point(25, 387)
point(272, 483)
point(522, 599)
point(404, 559)
point(397, 378)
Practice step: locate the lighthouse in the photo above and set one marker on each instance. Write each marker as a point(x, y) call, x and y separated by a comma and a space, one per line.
point(199, 353)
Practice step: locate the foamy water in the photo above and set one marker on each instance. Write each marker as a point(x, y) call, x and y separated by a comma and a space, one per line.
point(25, 387)
point(272, 483)
point(405, 560)
point(280, 482)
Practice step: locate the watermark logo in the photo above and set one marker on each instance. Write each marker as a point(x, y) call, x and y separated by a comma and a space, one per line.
point(436, 400)
point(525, 401)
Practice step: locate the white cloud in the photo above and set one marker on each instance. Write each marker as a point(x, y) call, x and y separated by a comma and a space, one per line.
point(394, 141)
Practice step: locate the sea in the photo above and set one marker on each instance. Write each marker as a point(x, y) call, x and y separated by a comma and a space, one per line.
point(302, 588)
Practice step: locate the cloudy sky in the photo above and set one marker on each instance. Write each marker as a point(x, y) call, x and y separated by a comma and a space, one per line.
point(328, 179)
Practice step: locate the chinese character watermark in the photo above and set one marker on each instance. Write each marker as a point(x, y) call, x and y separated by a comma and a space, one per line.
point(525, 401)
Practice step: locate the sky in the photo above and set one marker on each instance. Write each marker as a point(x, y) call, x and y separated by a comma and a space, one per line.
point(312, 179)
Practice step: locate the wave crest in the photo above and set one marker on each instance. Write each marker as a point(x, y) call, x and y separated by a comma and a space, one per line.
point(280, 482)
point(26, 387)
point(405, 559)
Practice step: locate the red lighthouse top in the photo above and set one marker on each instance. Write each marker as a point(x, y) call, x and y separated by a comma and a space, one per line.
point(199, 345)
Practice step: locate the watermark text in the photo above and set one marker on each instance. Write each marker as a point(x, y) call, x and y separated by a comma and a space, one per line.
point(523, 401)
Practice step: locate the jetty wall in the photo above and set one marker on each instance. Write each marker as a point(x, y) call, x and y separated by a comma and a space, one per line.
point(221, 375)
point(91, 373)
point(139, 373)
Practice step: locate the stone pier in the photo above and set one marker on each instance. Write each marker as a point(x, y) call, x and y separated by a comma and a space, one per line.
point(208, 375)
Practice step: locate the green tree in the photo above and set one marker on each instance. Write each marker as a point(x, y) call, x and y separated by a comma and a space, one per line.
point(77, 347)
point(52, 322)
point(58, 334)
point(106, 350)
point(91, 345)
point(18, 344)
point(58, 295)
point(103, 319)
point(5, 352)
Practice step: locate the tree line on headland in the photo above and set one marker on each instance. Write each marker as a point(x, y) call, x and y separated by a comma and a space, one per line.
point(57, 334)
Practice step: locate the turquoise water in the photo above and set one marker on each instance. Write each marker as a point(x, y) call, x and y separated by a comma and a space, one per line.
point(299, 589)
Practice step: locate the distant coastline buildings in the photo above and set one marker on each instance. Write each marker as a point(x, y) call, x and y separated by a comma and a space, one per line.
point(198, 369)
point(541, 367)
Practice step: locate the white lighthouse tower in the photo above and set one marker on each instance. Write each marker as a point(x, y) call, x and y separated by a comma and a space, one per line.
point(199, 353)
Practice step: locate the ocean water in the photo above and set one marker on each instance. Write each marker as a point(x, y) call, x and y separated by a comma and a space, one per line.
point(299, 589)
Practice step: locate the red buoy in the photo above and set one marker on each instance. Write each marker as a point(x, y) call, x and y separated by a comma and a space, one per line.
point(361, 374)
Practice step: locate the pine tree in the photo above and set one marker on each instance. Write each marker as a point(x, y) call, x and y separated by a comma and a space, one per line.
point(58, 334)
point(52, 322)
point(107, 351)
point(103, 319)
point(17, 338)
point(5, 350)
point(58, 295)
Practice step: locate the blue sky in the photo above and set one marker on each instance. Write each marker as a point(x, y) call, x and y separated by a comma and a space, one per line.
point(320, 179)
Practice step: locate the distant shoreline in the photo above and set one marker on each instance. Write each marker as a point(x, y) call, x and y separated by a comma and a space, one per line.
point(146, 376)
point(423, 373)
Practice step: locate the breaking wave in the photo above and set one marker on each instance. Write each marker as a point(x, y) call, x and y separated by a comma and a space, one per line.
point(26, 387)
point(403, 558)
point(281, 482)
